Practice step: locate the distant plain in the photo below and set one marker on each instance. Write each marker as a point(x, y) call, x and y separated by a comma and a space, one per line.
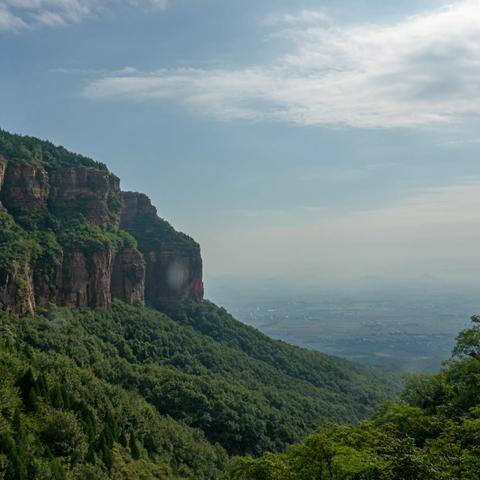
point(408, 328)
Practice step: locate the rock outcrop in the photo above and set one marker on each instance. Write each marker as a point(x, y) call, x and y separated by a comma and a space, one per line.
point(26, 188)
point(63, 240)
point(3, 165)
point(16, 288)
point(173, 260)
point(128, 277)
point(83, 190)
point(77, 274)
point(86, 279)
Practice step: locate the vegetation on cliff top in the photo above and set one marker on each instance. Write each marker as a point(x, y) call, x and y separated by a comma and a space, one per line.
point(151, 231)
point(22, 148)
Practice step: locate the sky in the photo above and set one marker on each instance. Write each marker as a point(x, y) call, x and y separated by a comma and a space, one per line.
point(326, 140)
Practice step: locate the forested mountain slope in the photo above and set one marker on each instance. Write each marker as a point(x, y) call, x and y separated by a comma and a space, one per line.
point(93, 383)
point(433, 433)
point(231, 402)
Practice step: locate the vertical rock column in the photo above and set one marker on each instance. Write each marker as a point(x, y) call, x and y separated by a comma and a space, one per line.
point(3, 165)
point(173, 261)
point(86, 273)
point(24, 188)
point(128, 276)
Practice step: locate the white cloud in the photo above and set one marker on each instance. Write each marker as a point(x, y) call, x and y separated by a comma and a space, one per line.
point(20, 14)
point(422, 70)
point(9, 21)
point(152, 3)
point(431, 232)
point(301, 17)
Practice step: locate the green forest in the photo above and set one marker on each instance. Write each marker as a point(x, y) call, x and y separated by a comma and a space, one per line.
point(431, 433)
point(131, 393)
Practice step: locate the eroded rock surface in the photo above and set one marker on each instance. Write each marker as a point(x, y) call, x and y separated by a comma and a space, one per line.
point(173, 260)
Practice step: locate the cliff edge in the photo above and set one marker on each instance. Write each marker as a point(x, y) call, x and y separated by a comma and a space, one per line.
point(70, 237)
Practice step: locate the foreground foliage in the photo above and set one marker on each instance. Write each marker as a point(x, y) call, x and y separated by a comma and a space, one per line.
point(59, 421)
point(131, 393)
point(433, 433)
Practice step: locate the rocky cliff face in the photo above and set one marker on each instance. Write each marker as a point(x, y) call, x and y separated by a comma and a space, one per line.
point(77, 274)
point(86, 279)
point(85, 191)
point(16, 288)
point(128, 277)
point(62, 236)
point(173, 260)
point(3, 165)
point(26, 188)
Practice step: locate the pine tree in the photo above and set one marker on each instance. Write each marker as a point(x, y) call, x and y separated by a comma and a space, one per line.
point(26, 384)
point(42, 385)
point(90, 458)
point(67, 398)
point(123, 439)
point(105, 451)
point(57, 471)
point(17, 422)
point(56, 398)
point(111, 425)
point(31, 403)
point(18, 466)
point(134, 447)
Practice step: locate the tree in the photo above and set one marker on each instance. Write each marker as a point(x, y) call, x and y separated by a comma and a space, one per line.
point(105, 452)
point(134, 447)
point(63, 435)
point(468, 341)
point(28, 390)
point(57, 470)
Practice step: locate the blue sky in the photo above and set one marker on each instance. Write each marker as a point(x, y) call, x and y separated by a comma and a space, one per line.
point(334, 138)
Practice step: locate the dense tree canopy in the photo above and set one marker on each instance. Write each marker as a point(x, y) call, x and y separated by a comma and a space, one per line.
point(131, 390)
point(432, 433)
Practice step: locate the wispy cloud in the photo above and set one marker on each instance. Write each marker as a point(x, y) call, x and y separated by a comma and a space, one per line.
point(10, 21)
point(419, 71)
point(16, 15)
point(302, 17)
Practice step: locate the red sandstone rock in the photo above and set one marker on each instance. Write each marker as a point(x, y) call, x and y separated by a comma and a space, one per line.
point(82, 190)
point(16, 289)
point(25, 187)
point(128, 277)
point(173, 260)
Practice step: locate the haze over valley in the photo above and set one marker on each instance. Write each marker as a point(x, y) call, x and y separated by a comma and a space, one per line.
point(411, 327)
